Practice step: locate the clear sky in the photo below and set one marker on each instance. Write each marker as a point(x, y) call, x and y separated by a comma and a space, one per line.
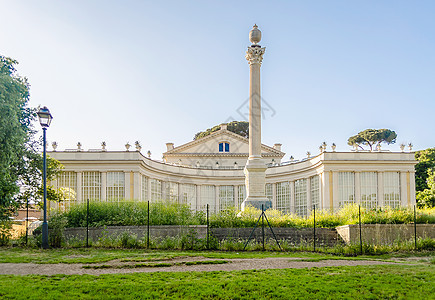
point(160, 71)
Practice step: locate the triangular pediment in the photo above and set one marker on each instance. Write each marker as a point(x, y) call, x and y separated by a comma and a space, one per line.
point(210, 144)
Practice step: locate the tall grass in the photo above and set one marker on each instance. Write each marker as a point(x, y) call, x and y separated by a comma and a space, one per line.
point(164, 213)
point(131, 214)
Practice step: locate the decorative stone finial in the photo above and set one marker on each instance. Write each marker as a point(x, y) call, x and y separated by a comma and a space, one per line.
point(54, 145)
point(79, 146)
point(308, 154)
point(402, 147)
point(149, 154)
point(127, 146)
point(138, 146)
point(103, 146)
point(333, 146)
point(410, 147)
point(255, 35)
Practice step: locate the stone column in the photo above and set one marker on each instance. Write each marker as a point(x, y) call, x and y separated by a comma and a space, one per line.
point(255, 169)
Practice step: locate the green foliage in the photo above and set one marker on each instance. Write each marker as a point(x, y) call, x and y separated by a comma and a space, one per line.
point(425, 177)
point(131, 214)
point(15, 132)
point(372, 137)
point(20, 160)
point(238, 127)
point(164, 213)
point(5, 232)
point(324, 218)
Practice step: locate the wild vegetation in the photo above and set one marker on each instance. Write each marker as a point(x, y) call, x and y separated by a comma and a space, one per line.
point(162, 213)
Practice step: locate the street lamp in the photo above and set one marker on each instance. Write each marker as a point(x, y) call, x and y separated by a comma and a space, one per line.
point(45, 120)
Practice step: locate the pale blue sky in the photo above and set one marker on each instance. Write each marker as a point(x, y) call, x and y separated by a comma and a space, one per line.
point(160, 71)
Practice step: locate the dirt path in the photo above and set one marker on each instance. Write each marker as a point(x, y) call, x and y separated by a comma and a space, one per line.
point(177, 265)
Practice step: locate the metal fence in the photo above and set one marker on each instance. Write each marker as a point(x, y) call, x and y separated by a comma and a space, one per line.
point(261, 230)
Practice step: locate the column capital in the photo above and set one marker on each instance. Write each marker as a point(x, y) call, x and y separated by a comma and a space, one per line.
point(254, 55)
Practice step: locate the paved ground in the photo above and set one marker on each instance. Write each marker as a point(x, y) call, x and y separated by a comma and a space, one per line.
point(178, 265)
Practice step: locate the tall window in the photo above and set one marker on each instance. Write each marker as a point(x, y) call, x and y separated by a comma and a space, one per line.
point(369, 189)
point(67, 184)
point(392, 189)
point(301, 197)
point(241, 195)
point(224, 147)
point(346, 188)
point(208, 196)
point(144, 188)
point(91, 185)
point(115, 188)
point(269, 192)
point(172, 191)
point(156, 190)
point(226, 196)
point(188, 194)
point(283, 196)
point(315, 190)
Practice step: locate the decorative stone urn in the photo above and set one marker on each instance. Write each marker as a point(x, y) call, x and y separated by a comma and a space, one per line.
point(54, 145)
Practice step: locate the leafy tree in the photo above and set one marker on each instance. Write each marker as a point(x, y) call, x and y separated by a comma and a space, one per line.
point(425, 177)
point(372, 137)
point(238, 127)
point(426, 161)
point(19, 155)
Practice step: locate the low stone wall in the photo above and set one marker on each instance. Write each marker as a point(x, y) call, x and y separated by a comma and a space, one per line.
point(295, 236)
point(155, 231)
point(380, 234)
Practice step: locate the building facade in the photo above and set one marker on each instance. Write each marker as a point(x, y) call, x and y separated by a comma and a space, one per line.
point(210, 171)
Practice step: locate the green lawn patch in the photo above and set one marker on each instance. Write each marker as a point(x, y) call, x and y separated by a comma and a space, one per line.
point(360, 282)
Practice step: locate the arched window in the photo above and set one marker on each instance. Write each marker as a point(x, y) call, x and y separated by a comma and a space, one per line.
point(224, 147)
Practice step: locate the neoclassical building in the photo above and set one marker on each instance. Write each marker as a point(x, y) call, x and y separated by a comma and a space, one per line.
point(209, 171)
point(224, 170)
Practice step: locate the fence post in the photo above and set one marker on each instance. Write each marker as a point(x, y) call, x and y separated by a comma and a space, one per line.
point(314, 227)
point(27, 219)
point(148, 226)
point(415, 228)
point(208, 246)
point(87, 223)
point(360, 236)
point(262, 225)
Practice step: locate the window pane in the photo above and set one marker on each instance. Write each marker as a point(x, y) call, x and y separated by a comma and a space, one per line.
point(221, 147)
point(315, 190)
point(208, 196)
point(226, 196)
point(91, 185)
point(115, 189)
point(301, 197)
point(369, 189)
point(67, 185)
point(392, 189)
point(283, 196)
point(227, 147)
point(346, 188)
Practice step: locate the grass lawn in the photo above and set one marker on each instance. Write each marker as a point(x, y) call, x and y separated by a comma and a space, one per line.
point(361, 282)
point(101, 255)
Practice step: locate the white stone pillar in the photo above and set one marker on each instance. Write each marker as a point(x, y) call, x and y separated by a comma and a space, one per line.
point(79, 191)
point(358, 188)
point(103, 186)
point(255, 169)
point(381, 200)
point(127, 180)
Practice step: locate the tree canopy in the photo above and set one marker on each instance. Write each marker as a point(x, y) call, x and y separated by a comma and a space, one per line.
point(425, 177)
point(239, 127)
point(372, 138)
point(20, 160)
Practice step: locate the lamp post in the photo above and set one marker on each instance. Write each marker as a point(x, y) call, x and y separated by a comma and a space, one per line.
point(45, 120)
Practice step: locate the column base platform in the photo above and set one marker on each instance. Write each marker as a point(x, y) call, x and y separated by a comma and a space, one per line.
point(257, 203)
